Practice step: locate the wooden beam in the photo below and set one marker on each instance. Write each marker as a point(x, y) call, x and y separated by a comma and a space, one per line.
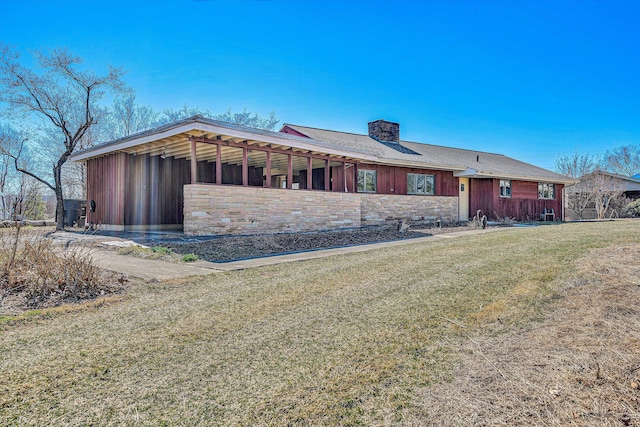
point(245, 167)
point(230, 143)
point(327, 177)
point(268, 171)
point(289, 171)
point(194, 162)
point(309, 173)
point(219, 164)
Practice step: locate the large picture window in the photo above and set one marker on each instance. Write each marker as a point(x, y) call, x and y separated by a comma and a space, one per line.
point(546, 191)
point(505, 188)
point(420, 184)
point(366, 181)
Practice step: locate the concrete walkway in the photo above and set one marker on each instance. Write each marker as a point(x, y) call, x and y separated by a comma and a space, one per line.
point(164, 270)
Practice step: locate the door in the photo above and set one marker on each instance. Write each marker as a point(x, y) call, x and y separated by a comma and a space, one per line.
point(463, 199)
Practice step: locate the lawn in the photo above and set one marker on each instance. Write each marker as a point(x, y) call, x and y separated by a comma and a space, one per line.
point(358, 339)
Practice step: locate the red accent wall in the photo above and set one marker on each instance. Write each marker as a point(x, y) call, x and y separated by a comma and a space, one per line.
point(522, 189)
point(393, 179)
point(290, 131)
point(523, 205)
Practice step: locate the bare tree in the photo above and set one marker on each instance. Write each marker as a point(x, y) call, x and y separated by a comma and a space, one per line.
point(623, 160)
point(126, 117)
point(59, 105)
point(579, 195)
point(245, 118)
point(607, 189)
point(11, 181)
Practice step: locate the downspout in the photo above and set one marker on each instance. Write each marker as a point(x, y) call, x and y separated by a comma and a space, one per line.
point(346, 166)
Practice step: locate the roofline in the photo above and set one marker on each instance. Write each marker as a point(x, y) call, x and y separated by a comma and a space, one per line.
point(472, 173)
point(214, 126)
point(415, 164)
point(400, 141)
point(613, 175)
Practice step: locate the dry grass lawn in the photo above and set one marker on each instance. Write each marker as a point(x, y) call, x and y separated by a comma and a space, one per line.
point(529, 326)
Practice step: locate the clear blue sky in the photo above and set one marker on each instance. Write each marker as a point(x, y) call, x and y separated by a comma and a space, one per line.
point(529, 79)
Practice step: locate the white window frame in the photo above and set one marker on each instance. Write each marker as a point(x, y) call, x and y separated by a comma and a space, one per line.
point(369, 176)
point(505, 184)
point(429, 180)
point(546, 191)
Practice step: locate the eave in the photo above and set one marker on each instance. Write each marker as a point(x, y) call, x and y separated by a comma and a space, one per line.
point(174, 141)
point(473, 173)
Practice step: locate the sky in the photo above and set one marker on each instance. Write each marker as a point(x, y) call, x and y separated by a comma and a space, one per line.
point(533, 80)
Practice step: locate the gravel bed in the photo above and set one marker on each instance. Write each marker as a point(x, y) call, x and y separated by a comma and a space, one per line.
point(243, 247)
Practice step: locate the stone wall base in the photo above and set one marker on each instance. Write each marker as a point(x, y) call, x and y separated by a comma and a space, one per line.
point(220, 210)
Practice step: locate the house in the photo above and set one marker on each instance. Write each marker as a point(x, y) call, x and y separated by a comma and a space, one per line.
point(204, 176)
point(600, 194)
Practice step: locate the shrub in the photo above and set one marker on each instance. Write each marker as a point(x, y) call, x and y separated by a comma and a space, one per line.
point(46, 275)
point(634, 208)
point(189, 257)
point(161, 250)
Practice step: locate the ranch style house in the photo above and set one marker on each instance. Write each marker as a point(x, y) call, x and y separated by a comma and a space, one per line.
point(204, 176)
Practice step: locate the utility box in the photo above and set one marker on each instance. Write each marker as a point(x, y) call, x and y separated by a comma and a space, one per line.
point(74, 209)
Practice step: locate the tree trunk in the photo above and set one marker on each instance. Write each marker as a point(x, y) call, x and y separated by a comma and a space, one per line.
point(57, 176)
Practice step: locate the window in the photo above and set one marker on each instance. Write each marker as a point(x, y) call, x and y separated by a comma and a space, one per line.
point(366, 181)
point(546, 191)
point(505, 188)
point(420, 184)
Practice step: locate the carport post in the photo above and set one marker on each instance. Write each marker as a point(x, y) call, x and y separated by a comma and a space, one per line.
point(194, 162)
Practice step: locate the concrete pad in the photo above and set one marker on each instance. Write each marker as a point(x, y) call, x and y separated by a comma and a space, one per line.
point(145, 268)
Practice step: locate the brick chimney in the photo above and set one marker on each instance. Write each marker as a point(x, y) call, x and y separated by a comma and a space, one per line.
point(382, 130)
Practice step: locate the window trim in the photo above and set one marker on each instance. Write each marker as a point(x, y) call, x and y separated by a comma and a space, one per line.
point(505, 196)
point(541, 191)
point(416, 193)
point(366, 173)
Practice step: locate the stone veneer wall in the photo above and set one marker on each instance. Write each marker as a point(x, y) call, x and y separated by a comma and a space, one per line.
point(378, 208)
point(220, 209)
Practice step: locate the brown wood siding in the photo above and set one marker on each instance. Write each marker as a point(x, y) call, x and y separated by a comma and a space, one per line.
point(393, 179)
point(522, 189)
point(106, 180)
point(337, 179)
point(523, 205)
point(481, 196)
point(206, 172)
point(154, 192)
point(317, 179)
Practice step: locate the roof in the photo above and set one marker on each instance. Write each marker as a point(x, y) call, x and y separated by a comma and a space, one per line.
point(172, 139)
point(624, 183)
point(465, 163)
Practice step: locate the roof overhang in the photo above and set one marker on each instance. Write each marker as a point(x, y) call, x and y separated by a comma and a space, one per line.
point(174, 141)
point(473, 173)
point(413, 164)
